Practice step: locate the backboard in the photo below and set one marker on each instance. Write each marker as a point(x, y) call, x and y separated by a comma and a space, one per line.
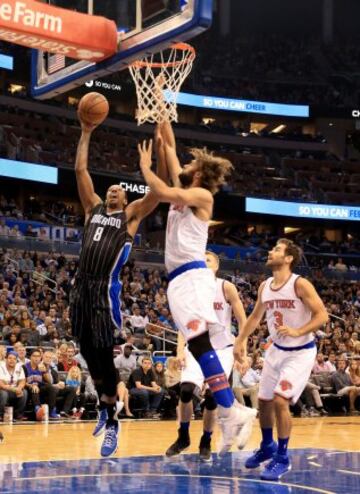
point(144, 26)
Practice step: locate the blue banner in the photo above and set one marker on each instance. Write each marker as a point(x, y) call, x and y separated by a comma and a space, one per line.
point(6, 62)
point(239, 105)
point(302, 210)
point(28, 171)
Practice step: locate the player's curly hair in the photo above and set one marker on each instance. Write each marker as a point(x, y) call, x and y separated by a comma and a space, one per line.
point(214, 169)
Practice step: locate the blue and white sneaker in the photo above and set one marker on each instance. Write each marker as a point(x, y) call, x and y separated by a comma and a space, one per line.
point(261, 455)
point(101, 424)
point(54, 415)
point(110, 443)
point(276, 468)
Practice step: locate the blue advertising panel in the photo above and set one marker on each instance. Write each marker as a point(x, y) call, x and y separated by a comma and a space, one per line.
point(28, 171)
point(302, 210)
point(6, 62)
point(239, 105)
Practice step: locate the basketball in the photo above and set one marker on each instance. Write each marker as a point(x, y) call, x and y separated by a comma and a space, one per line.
point(93, 108)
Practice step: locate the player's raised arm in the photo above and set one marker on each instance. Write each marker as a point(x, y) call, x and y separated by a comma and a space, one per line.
point(85, 185)
point(141, 208)
point(172, 160)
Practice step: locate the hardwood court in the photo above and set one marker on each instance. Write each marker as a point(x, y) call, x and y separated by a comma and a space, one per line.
point(63, 451)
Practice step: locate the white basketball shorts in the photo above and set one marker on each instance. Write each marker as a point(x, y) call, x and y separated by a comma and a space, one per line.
point(191, 299)
point(286, 373)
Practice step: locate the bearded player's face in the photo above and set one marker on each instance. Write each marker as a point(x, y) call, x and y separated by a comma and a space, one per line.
point(186, 177)
point(115, 197)
point(277, 257)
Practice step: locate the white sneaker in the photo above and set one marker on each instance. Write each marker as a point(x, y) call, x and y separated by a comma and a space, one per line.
point(236, 428)
point(246, 430)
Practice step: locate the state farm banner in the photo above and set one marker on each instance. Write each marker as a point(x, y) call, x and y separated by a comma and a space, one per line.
point(53, 29)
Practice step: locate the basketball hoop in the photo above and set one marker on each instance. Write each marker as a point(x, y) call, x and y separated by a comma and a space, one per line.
point(158, 79)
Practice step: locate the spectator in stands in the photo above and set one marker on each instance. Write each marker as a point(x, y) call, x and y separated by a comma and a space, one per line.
point(322, 365)
point(146, 344)
point(172, 383)
point(43, 328)
point(246, 383)
point(138, 322)
point(15, 232)
point(159, 373)
point(39, 387)
point(143, 387)
point(2, 354)
point(344, 386)
point(73, 380)
point(12, 384)
point(90, 391)
point(63, 325)
point(33, 335)
point(4, 229)
point(123, 399)
point(24, 320)
point(30, 232)
point(62, 353)
point(21, 353)
point(311, 397)
point(67, 393)
point(340, 266)
point(66, 363)
point(125, 362)
point(354, 372)
point(130, 341)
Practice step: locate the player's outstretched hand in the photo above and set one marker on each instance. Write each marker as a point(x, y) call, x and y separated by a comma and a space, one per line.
point(85, 126)
point(145, 153)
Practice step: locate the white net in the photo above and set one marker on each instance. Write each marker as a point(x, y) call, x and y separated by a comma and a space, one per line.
point(158, 79)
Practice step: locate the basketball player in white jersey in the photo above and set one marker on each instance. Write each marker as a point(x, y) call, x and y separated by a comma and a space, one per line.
point(226, 303)
point(192, 285)
point(294, 311)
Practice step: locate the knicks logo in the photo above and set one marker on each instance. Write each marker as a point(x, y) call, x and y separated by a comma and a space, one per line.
point(285, 385)
point(193, 325)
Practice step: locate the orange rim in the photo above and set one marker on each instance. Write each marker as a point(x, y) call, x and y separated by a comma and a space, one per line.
point(175, 46)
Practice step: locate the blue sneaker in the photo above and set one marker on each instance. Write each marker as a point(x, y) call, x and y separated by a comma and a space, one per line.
point(53, 415)
point(100, 426)
point(276, 468)
point(110, 443)
point(261, 455)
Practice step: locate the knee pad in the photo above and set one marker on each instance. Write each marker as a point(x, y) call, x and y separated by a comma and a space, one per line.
point(210, 403)
point(187, 392)
point(200, 345)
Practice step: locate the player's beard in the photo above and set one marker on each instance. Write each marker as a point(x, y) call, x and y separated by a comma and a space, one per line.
point(274, 264)
point(186, 179)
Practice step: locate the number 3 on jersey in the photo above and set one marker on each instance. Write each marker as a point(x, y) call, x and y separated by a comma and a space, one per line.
point(98, 233)
point(279, 319)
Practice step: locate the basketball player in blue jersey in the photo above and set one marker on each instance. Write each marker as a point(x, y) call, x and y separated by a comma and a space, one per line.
point(226, 303)
point(294, 311)
point(109, 231)
point(192, 286)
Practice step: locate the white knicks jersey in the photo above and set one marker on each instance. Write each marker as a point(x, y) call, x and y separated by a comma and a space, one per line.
point(285, 308)
point(186, 237)
point(220, 334)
